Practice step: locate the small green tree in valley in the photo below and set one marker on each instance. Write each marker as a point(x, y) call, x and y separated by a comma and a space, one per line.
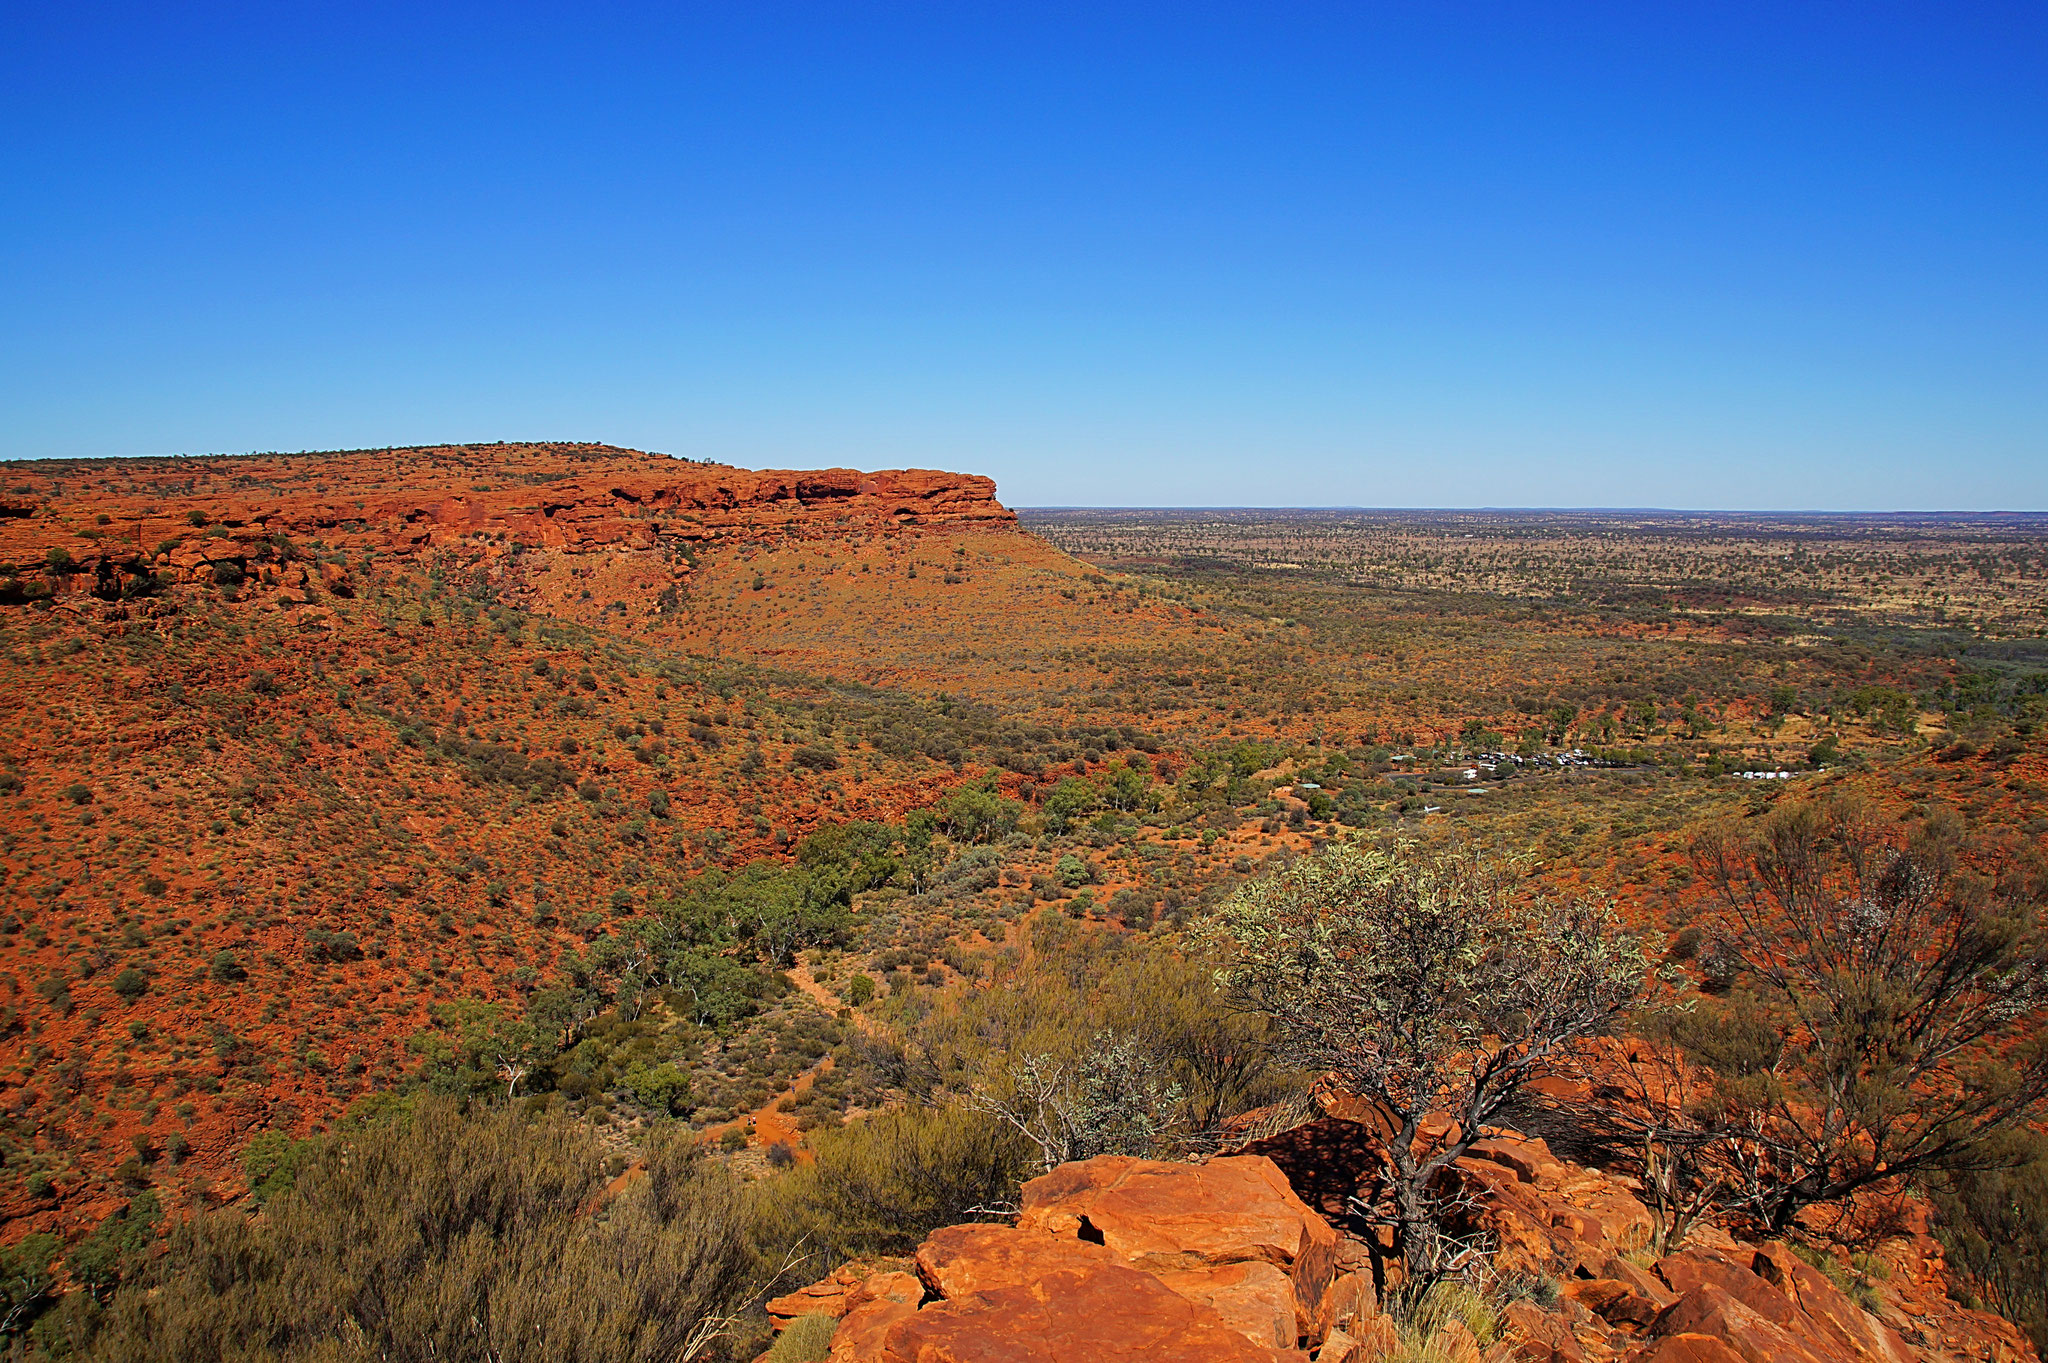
point(1125, 786)
point(1426, 983)
point(977, 813)
point(1069, 799)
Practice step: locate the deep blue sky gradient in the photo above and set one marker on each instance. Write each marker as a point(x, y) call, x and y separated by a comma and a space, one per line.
point(1279, 254)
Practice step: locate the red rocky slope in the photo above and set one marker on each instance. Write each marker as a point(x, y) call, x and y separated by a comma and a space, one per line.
point(1116, 1258)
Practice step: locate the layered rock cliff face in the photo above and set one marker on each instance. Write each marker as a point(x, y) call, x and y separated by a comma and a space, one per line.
point(107, 528)
point(1125, 1259)
point(908, 578)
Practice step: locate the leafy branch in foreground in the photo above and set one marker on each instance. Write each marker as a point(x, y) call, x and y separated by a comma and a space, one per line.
point(1426, 983)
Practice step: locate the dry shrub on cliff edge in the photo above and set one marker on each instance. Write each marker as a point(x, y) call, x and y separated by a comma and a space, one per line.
point(1894, 985)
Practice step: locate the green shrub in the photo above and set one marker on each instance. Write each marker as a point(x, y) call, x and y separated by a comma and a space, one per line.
point(1421, 1318)
point(27, 1280)
point(55, 991)
point(1994, 1225)
point(881, 1184)
point(661, 1087)
point(338, 947)
point(116, 1249)
point(807, 1339)
point(271, 1163)
point(391, 1221)
point(977, 814)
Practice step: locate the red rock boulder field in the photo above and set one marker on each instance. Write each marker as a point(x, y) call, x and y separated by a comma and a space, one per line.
point(1118, 1258)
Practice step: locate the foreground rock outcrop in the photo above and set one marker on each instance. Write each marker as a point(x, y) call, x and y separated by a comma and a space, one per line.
point(1117, 1258)
point(1113, 1258)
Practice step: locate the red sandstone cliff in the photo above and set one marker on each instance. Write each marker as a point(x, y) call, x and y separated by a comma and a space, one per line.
point(72, 527)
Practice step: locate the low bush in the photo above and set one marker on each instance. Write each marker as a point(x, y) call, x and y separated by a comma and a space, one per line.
point(452, 1236)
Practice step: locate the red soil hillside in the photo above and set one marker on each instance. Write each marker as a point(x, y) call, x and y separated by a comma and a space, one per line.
point(300, 747)
point(997, 616)
point(900, 577)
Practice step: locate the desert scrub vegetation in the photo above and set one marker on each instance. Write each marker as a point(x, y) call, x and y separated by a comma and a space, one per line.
point(440, 1226)
point(435, 1232)
point(1993, 1224)
point(1441, 1319)
point(683, 1007)
point(458, 845)
point(1090, 1039)
point(1879, 994)
point(879, 1185)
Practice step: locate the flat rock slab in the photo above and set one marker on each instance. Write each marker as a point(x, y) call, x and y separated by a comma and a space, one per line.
point(1097, 1314)
point(958, 1261)
point(1162, 1216)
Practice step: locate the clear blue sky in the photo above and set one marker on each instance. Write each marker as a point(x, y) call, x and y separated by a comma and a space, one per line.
point(1279, 254)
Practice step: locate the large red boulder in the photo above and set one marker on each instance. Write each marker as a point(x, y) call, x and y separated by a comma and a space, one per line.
point(848, 1288)
point(1094, 1313)
point(1255, 1299)
point(1159, 1216)
point(1613, 1300)
point(1710, 1310)
point(1687, 1349)
point(862, 1335)
point(1350, 1303)
point(1533, 1335)
point(1826, 1305)
point(958, 1261)
point(1529, 1157)
point(1690, 1271)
